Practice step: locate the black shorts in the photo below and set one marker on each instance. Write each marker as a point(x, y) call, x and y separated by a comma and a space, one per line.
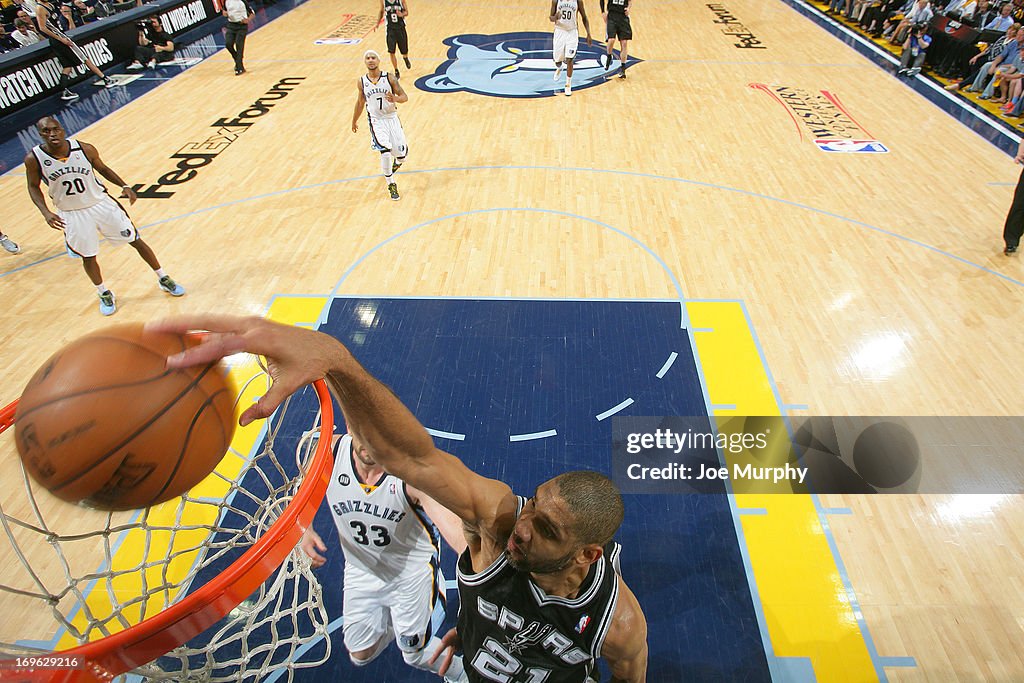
point(398, 36)
point(65, 55)
point(618, 27)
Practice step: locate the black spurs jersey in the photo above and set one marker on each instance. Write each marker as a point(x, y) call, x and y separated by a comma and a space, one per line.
point(616, 6)
point(391, 13)
point(513, 632)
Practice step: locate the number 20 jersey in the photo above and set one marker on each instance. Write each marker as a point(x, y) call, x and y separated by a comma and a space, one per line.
point(71, 183)
point(381, 531)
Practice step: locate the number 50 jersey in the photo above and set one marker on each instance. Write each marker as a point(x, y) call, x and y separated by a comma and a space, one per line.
point(381, 531)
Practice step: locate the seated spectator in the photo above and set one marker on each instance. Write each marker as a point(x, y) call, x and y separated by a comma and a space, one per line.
point(914, 49)
point(875, 17)
point(1011, 48)
point(920, 13)
point(981, 60)
point(1001, 22)
point(83, 13)
point(66, 18)
point(154, 45)
point(25, 16)
point(7, 43)
point(1004, 74)
point(24, 33)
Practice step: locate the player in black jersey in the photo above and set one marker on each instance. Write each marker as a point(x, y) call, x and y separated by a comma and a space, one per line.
point(67, 51)
point(395, 11)
point(541, 600)
point(617, 21)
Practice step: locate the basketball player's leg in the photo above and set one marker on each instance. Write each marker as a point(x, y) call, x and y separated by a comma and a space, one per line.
point(116, 226)
point(625, 35)
point(366, 623)
point(572, 44)
point(382, 132)
point(558, 51)
point(416, 608)
point(82, 240)
point(403, 47)
point(392, 40)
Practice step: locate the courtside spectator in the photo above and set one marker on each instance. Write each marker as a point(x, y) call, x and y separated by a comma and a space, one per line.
point(24, 33)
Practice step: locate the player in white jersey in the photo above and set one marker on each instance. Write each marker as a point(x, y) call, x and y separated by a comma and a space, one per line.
point(83, 205)
point(393, 583)
point(566, 38)
point(379, 93)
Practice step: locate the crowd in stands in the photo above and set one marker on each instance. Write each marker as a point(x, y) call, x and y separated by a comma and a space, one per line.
point(973, 43)
point(18, 27)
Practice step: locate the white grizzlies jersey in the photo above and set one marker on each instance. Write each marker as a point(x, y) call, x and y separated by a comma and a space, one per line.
point(565, 15)
point(71, 182)
point(381, 531)
point(376, 105)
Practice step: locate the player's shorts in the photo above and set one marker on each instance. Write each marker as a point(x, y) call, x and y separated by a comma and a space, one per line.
point(72, 55)
point(398, 36)
point(618, 27)
point(82, 227)
point(386, 135)
point(408, 602)
point(565, 44)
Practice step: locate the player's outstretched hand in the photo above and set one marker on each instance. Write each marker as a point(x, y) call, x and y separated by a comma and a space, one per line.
point(355, 126)
point(450, 643)
point(129, 194)
point(590, 41)
point(53, 220)
point(313, 545)
point(295, 356)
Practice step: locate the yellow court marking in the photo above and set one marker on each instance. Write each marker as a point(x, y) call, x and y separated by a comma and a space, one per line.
point(140, 562)
point(805, 603)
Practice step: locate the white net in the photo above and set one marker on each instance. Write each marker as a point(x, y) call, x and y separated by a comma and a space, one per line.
point(78, 575)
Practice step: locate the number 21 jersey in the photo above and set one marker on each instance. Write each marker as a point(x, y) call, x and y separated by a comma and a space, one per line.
point(380, 529)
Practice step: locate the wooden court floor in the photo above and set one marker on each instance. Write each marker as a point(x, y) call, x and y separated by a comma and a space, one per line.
point(874, 282)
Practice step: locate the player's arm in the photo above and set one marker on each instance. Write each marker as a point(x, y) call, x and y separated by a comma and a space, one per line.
point(405, 9)
point(395, 439)
point(33, 176)
point(94, 158)
point(379, 16)
point(360, 103)
point(399, 95)
point(625, 646)
point(554, 10)
point(586, 22)
point(450, 526)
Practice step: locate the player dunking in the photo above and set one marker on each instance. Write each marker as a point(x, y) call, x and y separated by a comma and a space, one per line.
point(566, 37)
point(68, 53)
point(83, 205)
point(393, 582)
point(540, 599)
point(379, 93)
point(395, 11)
point(618, 26)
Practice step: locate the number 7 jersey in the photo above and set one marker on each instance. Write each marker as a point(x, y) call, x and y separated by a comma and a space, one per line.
point(381, 531)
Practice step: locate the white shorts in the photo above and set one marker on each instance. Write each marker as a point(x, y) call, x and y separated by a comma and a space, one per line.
point(409, 603)
point(82, 227)
point(386, 135)
point(565, 44)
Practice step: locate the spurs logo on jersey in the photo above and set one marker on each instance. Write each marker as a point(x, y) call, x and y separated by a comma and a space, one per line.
point(71, 182)
point(391, 12)
point(518, 634)
point(381, 531)
point(377, 106)
point(565, 15)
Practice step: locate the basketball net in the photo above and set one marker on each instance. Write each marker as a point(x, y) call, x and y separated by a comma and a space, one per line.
point(207, 587)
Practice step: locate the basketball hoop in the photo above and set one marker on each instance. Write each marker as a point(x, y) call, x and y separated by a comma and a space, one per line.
point(113, 646)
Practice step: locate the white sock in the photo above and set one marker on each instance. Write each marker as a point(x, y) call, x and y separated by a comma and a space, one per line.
point(160, 273)
point(385, 166)
point(101, 287)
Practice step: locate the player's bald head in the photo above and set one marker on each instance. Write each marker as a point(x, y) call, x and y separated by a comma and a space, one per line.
point(47, 122)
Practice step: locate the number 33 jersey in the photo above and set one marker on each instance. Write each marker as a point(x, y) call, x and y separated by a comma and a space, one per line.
point(381, 531)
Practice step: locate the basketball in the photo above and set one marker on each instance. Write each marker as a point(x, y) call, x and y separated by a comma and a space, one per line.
point(104, 423)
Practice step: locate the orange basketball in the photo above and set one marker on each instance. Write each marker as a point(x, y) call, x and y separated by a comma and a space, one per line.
point(104, 423)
